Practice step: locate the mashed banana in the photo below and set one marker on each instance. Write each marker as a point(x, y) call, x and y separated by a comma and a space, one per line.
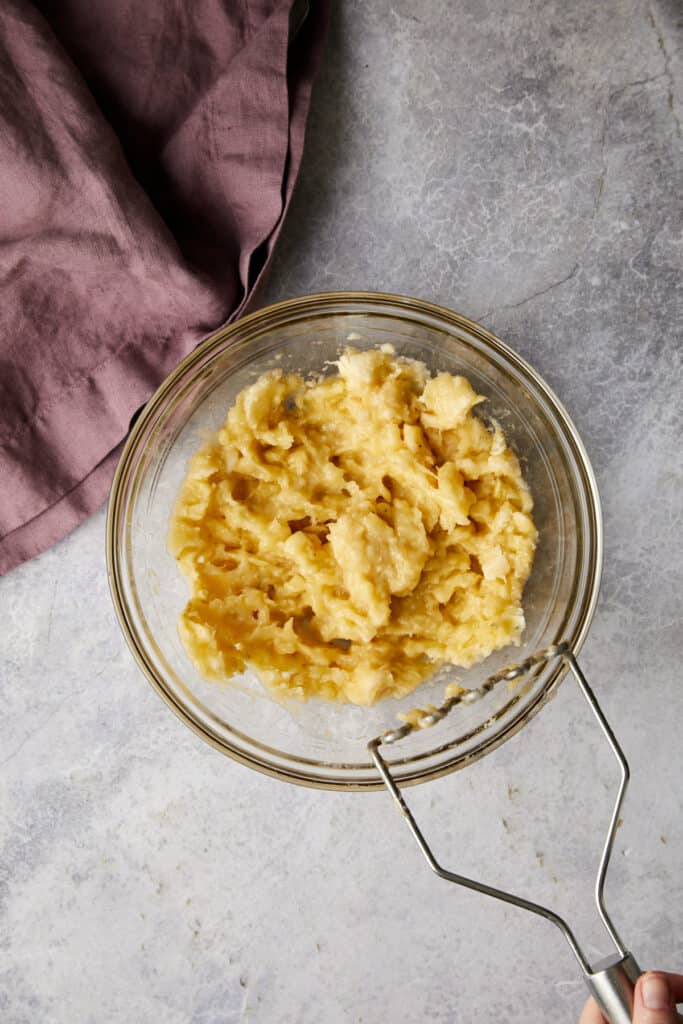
point(345, 537)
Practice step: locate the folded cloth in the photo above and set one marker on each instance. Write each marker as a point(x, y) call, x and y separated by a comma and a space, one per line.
point(148, 153)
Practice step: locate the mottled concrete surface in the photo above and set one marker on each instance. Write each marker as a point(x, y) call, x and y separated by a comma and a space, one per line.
point(521, 163)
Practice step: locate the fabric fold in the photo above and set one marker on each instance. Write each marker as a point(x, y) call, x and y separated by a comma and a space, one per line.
point(147, 158)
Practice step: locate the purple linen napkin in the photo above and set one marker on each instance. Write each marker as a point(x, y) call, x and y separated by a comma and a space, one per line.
point(148, 153)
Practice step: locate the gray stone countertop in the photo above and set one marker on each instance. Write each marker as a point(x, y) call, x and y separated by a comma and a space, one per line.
point(519, 162)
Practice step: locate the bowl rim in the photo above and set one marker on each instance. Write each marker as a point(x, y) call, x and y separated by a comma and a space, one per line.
point(382, 303)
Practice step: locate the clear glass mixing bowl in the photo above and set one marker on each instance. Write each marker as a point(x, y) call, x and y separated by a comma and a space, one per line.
point(318, 743)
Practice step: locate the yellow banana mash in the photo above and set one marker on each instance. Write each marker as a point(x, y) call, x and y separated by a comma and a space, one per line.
point(347, 536)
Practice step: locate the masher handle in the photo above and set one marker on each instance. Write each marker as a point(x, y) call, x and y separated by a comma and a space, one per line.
point(612, 984)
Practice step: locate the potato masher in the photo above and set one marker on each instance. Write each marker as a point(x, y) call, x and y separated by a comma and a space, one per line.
point(611, 981)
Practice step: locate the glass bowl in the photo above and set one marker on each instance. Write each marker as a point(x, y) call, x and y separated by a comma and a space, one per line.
point(318, 743)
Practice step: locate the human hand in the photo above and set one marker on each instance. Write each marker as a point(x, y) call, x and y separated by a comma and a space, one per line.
point(655, 1001)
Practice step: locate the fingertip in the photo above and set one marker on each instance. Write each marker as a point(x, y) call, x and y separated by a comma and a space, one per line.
point(653, 1000)
point(591, 1014)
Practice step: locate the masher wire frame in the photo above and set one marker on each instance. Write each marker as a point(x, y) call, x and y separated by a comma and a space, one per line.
point(611, 981)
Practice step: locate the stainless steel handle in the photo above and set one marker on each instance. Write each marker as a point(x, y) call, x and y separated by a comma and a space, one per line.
point(612, 981)
point(612, 984)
